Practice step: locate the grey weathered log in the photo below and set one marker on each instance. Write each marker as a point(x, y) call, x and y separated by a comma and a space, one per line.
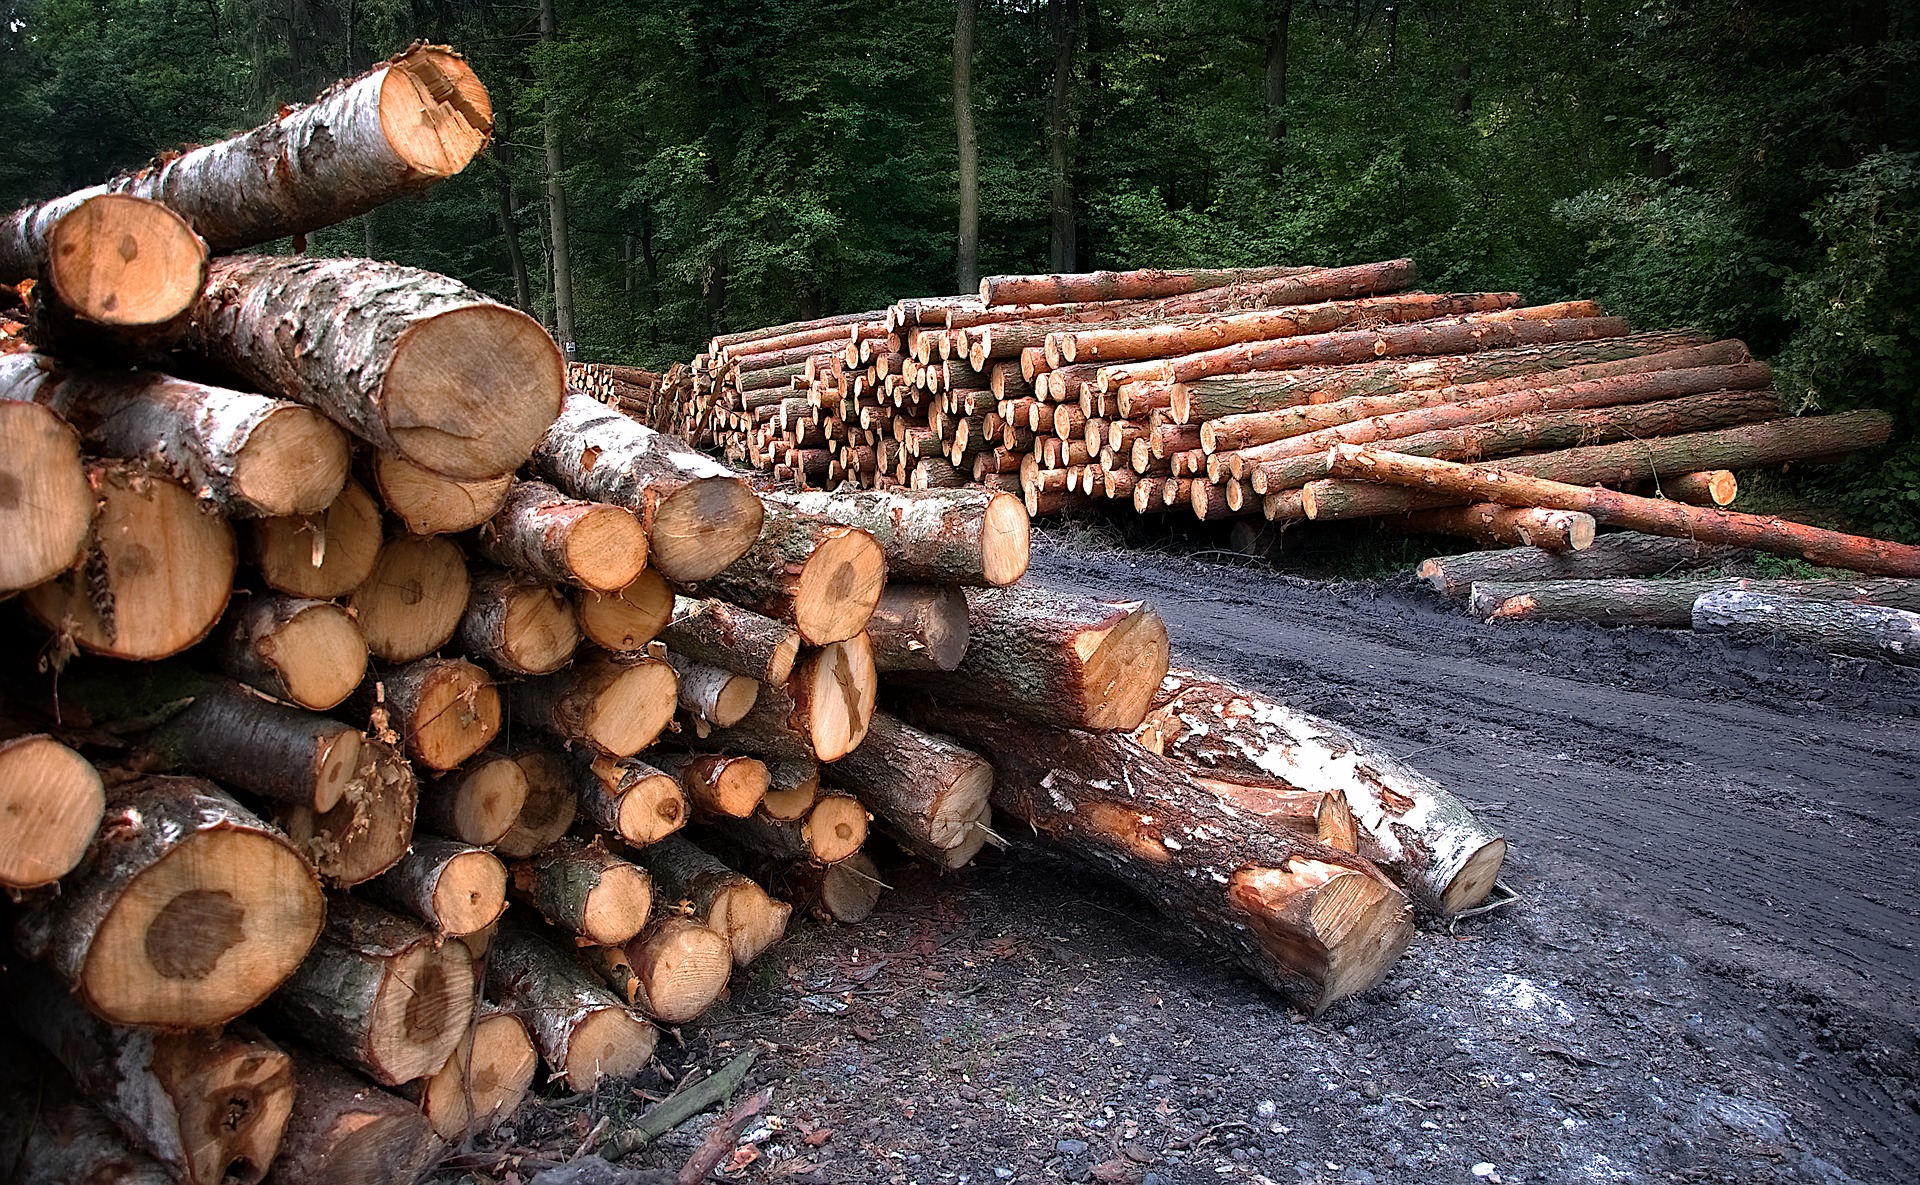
point(1869, 631)
point(1622, 553)
point(1666, 603)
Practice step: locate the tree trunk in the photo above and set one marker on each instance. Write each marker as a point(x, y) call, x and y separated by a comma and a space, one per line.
point(110, 271)
point(1279, 19)
point(1624, 553)
point(544, 533)
point(969, 145)
point(561, 254)
point(970, 537)
point(225, 909)
point(1063, 19)
point(51, 802)
point(429, 504)
point(722, 899)
point(1656, 516)
point(823, 577)
point(630, 799)
point(820, 714)
point(582, 1032)
point(920, 627)
point(673, 971)
point(1668, 603)
point(320, 555)
point(478, 804)
point(618, 706)
point(1553, 531)
point(455, 888)
point(699, 516)
point(306, 652)
point(928, 793)
point(509, 221)
point(346, 1131)
point(407, 360)
point(1869, 631)
point(518, 624)
point(717, 785)
point(625, 621)
point(263, 748)
point(368, 831)
point(485, 1080)
point(735, 639)
point(549, 807)
point(247, 455)
point(46, 502)
point(720, 697)
point(586, 891)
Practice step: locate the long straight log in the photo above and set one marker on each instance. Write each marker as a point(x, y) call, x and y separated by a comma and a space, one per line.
point(1667, 603)
point(714, 694)
point(261, 747)
point(1144, 284)
point(1623, 553)
point(832, 829)
point(1554, 531)
point(518, 624)
point(630, 799)
point(454, 888)
point(919, 627)
point(1869, 631)
point(930, 793)
point(51, 801)
point(971, 537)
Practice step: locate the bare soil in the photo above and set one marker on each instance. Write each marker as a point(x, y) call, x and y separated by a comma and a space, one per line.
point(1708, 971)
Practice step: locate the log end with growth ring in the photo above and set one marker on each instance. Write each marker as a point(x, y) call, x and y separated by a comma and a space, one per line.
point(682, 966)
point(1121, 669)
point(1005, 540)
point(837, 685)
point(46, 506)
point(434, 111)
point(50, 805)
point(470, 391)
point(125, 261)
point(625, 621)
point(836, 828)
point(329, 554)
point(340, 760)
point(749, 917)
point(608, 1043)
point(484, 1080)
point(430, 504)
point(470, 892)
point(606, 548)
point(421, 1010)
point(455, 713)
point(699, 530)
point(295, 462)
point(632, 708)
point(1474, 879)
point(617, 907)
point(1354, 930)
point(319, 655)
point(652, 804)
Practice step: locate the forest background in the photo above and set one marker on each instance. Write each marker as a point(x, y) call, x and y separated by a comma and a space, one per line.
point(667, 169)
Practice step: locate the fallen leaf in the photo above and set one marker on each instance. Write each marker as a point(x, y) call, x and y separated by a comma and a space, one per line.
point(742, 1156)
point(817, 1137)
point(1111, 1170)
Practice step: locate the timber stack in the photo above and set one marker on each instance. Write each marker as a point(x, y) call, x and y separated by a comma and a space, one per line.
point(294, 906)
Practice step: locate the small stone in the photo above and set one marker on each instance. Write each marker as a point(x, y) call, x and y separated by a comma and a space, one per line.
point(1483, 1169)
point(1265, 1109)
point(969, 1093)
point(1070, 1147)
point(1003, 1174)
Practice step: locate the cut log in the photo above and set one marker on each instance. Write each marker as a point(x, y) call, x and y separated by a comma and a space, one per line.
point(1869, 631)
point(630, 799)
point(549, 808)
point(822, 577)
point(791, 788)
point(429, 504)
point(485, 1080)
point(1624, 553)
point(927, 792)
point(247, 455)
point(185, 912)
point(1423, 836)
point(381, 993)
point(46, 503)
point(156, 574)
point(412, 601)
point(519, 625)
point(582, 889)
point(733, 638)
point(209, 1105)
point(1060, 660)
point(679, 967)
point(1145, 284)
point(1667, 603)
point(919, 627)
point(368, 832)
point(972, 537)
point(616, 705)
point(563, 540)
point(346, 1131)
point(625, 621)
point(261, 747)
point(716, 784)
point(820, 714)
point(51, 801)
point(833, 828)
point(306, 652)
point(455, 888)
point(721, 898)
point(1654, 515)
point(1711, 487)
point(57, 1138)
point(582, 1032)
point(444, 710)
point(479, 803)
point(717, 696)
point(114, 268)
point(846, 892)
point(699, 516)
point(1489, 522)
point(1314, 923)
point(320, 555)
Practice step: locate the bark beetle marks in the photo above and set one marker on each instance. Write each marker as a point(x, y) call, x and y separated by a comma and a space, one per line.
point(191, 932)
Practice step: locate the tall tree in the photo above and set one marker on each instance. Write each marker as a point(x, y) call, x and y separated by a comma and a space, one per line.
point(1279, 22)
point(507, 205)
point(969, 262)
point(560, 258)
point(1064, 18)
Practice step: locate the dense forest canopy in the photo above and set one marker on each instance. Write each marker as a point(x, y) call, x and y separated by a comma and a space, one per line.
point(1749, 166)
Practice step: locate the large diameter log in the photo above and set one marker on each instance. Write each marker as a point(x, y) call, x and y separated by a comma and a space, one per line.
point(618, 706)
point(412, 362)
point(484, 1081)
point(699, 516)
point(563, 540)
point(411, 603)
point(261, 747)
point(1771, 443)
point(1060, 660)
point(919, 627)
point(1144, 284)
point(973, 537)
point(51, 801)
point(720, 697)
point(1510, 526)
point(547, 810)
point(211, 1106)
point(381, 993)
point(1869, 631)
point(477, 804)
point(322, 555)
point(821, 713)
point(185, 912)
point(1423, 836)
point(428, 504)
point(1667, 603)
point(928, 792)
point(717, 784)
point(155, 577)
point(1314, 923)
point(1655, 515)
point(822, 577)
point(247, 455)
point(46, 502)
point(120, 265)
point(444, 710)
point(583, 1033)
point(584, 890)
point(346, 1131)
point(678, 967)
point(625, 621)
point(630, 799)
point(454, 888)
point(518, 624)
point(721, 898)
point(1623, 553)
point(732, 638)
point(367, 832)
point(306, 652)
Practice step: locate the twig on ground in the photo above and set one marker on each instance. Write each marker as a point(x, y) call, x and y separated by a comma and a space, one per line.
point(722, 1137)
point(681, 1106)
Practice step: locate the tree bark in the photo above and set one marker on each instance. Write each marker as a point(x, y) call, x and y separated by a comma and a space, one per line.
point(561, 540)
point(46, 502)
point(823, 577)
point(306, 652)
point(454, 888)
point(735, 639)
point(586, 891)
point(720, 697)
point(429, 504)
point(1063, 19)
point(477, 804)
point(320, 555)
point(444, 710)
point(722, 899)
point(1145, 284)
point(1668, 603)
point(562, 254)
point(1869, 631)
point(970, 537)
point(920, 627)
point(346, 1131)
point(518, 624)
point(1624, 553)
point(263, 748)
point(625, 621)
point(630, 799)
point(927, 792)
point(225, 911)
point(109, 270)
point(549, 807)
point(582, 1032)
point(1554, 531)
point(51, 802)
point(617, 706)
point(969, 145)
point(58, 1138)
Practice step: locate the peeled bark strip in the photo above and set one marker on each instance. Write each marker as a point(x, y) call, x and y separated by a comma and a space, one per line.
point(412, 362)
point(562, 540)
point(919, 627)
point(1423, 836)
point(548, 809)
point(477, 804)
point(368, 832)
point(625, 621)
point(585, 890)
point(717, 696)
point(156, 574)
point(833, 829)
point(618, 706)
point(699, 516)
point(1667, 603)
point(733, 638)
point(1870, 631)
point(1314, 923)
point(51, 801)
point(678, 968)
point(346, 1131)
point(973, 537)
point(630, 799)
point(583, 1033)
point(46, 502)
point(455, 888)
point(1814, 544)
point(263, 748)
point(444, 710)
point(225, 909)
point(1060, 660)
point(381, 993)
point(1624, 553)
point(519, 624)
point(121, 265)
point(412, 601)
point(725, 900)
point(246, 454)
point(429, 504)
point(820, 714)
point(1144, 284)
point(209, 1105)
point(823, 577)
point(306, 652)
point(1511, 526)
point(926, 790)
point(483, 1082)
point(320, 555)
